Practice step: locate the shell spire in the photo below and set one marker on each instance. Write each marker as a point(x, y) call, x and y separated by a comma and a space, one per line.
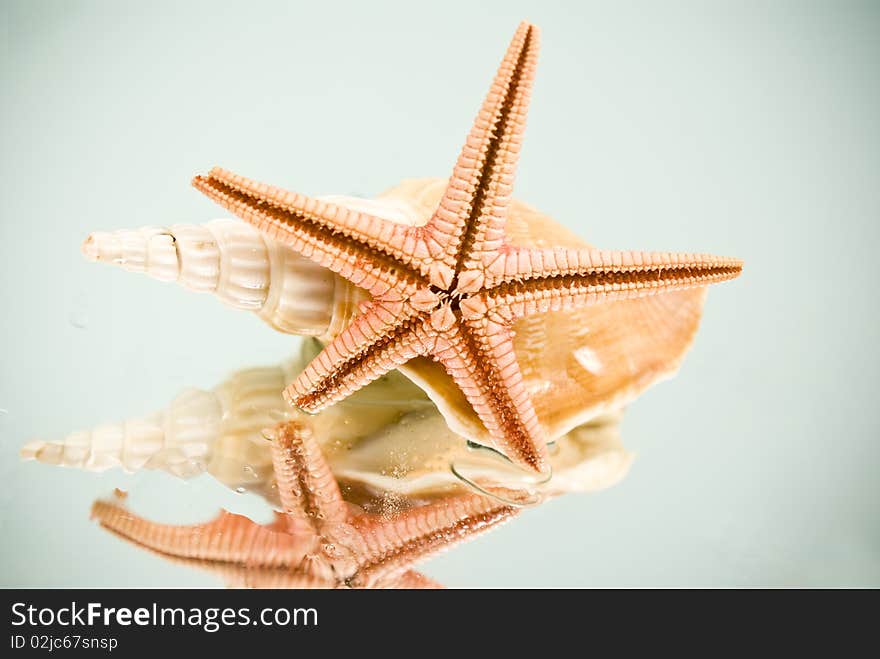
point(237, 264)
point(176, 440)
point(217, 431)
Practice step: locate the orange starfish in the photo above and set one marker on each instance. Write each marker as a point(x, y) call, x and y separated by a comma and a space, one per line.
point(319, 541)
point(451, 289)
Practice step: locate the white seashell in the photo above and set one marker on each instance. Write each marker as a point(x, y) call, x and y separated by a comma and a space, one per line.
point(216, 431)
point(387, 440)
point(237, 264)
point(176, 440)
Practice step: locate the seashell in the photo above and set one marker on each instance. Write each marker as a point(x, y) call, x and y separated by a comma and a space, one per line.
point(215, 431)
point(388, 444)
point(576, 365)
point(175, 440)
point(238, 265)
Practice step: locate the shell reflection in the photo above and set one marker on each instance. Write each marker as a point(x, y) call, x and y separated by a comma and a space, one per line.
point(398, 475)
point(387, 440)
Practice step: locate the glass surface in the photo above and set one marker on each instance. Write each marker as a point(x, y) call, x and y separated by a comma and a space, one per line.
point(747, 130)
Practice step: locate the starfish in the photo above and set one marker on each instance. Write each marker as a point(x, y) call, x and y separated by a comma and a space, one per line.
point(452, 288)
point(319, 540)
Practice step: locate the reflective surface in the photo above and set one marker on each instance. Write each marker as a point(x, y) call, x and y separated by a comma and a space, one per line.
point(752, 133)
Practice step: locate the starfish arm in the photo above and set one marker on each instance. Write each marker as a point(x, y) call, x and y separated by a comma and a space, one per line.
point(393, 545)
point(471, 216)
point(479, 357)
point(237, 576)
point(307, 488)
point(411, 580)
point(379, 340)
point(227, 539)
point(371, 252)
point(530, 281)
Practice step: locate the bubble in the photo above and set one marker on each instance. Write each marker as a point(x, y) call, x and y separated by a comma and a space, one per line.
point(79, 312)
point(277, 415)
point(490, 473)
point(79, 319)
point(196, 466)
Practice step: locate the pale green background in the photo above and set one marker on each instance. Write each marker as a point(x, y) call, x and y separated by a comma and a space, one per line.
point(749, 129)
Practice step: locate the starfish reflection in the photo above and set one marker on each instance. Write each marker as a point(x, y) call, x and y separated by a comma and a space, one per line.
point(319, 540)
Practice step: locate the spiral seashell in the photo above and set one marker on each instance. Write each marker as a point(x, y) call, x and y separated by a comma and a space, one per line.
point(233, 261)
point(217, 431)
point(175, 440)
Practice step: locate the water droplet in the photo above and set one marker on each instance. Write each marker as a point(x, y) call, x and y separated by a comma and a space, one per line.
point(278, 415)
point(79, 312)
point(240, 489)
point(196, 466)
point(79, 319)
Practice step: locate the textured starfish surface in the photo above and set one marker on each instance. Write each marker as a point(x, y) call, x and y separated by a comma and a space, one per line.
point(452, 288)
point(320, 540)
